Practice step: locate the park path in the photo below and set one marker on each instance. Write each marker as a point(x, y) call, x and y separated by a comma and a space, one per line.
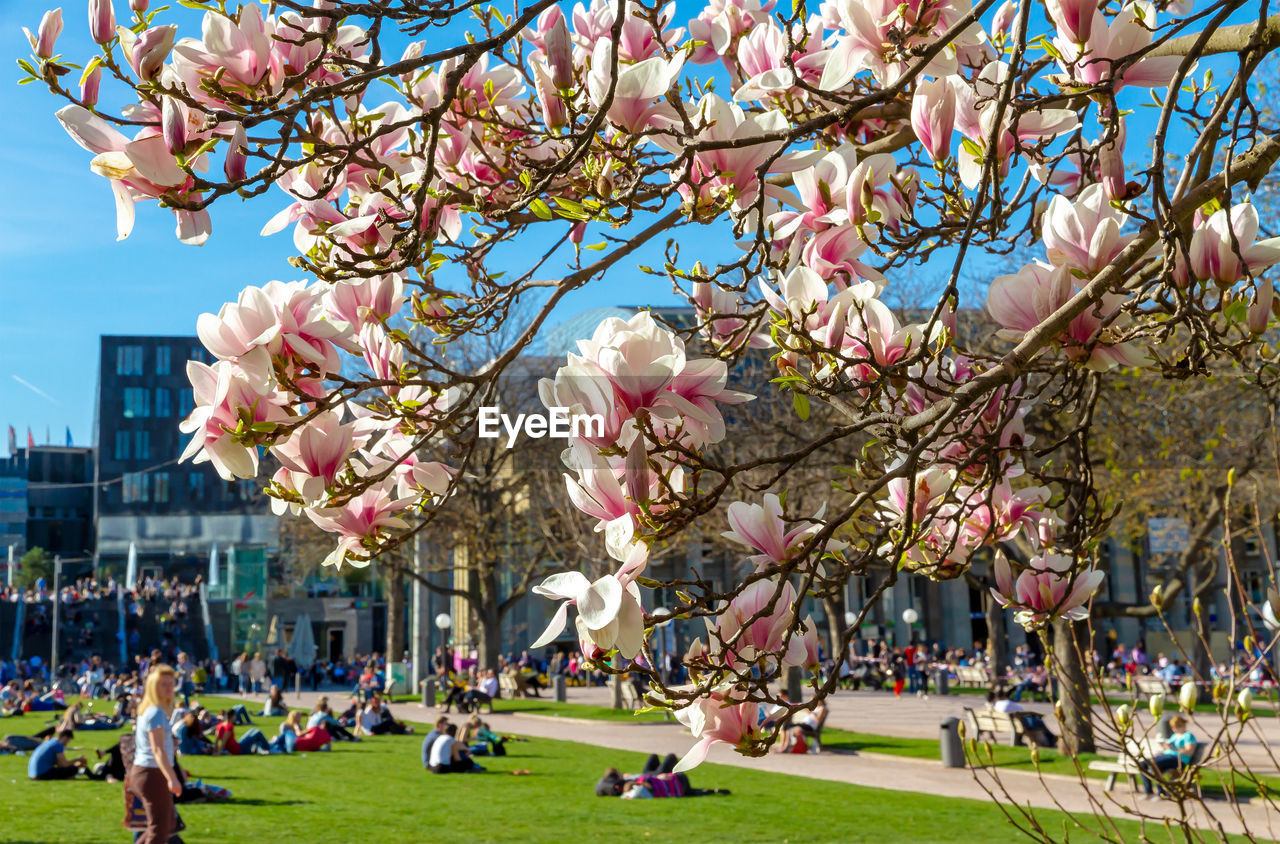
point(867, 712)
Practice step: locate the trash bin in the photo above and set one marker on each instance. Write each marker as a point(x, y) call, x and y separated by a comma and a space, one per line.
point(429, 692)
point(950, 744)
point(941, 682)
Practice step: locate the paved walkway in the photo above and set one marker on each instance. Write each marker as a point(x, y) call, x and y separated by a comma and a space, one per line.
point(871, 712)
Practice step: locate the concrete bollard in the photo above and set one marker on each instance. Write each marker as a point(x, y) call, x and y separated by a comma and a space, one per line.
point(557, 683)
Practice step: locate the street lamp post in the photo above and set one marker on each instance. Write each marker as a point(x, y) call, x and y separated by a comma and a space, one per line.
point(662, 642)
point(57, 588)
point(910, 616)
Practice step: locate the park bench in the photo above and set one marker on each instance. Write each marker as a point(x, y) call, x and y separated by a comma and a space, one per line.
point(1128, 767)
point(630, 698)
point(995, 724)
point(1150, 685)
point(972, 676)
point(508, 687)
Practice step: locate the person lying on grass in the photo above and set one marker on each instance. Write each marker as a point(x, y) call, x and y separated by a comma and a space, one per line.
point(656, 780)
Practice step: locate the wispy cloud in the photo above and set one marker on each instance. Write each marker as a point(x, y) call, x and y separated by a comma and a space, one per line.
point(33, 388)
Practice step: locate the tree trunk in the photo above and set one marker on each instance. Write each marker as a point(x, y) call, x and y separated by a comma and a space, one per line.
point(1069, 641)
point(997, 641)
point(1200, 592)
point(395, 614)
point(488, 619)
point(835, 609)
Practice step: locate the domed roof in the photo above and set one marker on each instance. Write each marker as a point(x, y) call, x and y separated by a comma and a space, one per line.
point(561, 339)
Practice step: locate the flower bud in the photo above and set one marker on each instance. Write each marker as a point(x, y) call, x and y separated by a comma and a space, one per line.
point(933, 116)
point(47, 34)
point(173, 124)
point(1260, 308)
point(237, 155)
point(1244, 704)
point(89, 88)
point(1156, 705)
point(559, 51)
point(1157, 596)
point(1073, 18)
point(1188, 696)
point(577, 233)
point(1003, 20)
point(554, 111)
point(1124, 716)
point(150, 51)
point(139, 6)
point(102, 21)
point(604, 182)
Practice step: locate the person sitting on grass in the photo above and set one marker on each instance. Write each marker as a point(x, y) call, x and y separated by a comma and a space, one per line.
point(481, 740)
point(655, 780)
point(225, 741)
point(1182, 746)
point(275, 705)
point(49, 761)
point(70, 720)
point(431, 738)
point(189, 733)
point(448, 755)
point(322, 716)
point(376, 720)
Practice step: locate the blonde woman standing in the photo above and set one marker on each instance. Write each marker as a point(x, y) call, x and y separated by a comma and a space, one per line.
point(153, 778)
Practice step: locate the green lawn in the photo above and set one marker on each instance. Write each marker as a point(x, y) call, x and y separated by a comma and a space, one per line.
point(1213, 782)
point(547, 706)
point(378, 789)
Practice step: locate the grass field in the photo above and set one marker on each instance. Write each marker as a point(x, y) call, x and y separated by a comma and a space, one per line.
point(378, 790)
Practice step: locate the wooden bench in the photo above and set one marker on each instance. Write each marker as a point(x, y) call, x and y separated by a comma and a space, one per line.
point(630, 698)
point(972, 676)
point(994, 724)
point(508, 687)
point(1128, 766)
point(1151, 685)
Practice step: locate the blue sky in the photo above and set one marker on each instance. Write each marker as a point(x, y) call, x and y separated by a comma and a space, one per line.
point(64, 280)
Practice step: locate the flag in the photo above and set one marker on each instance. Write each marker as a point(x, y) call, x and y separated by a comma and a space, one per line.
point(69, 441)
point(13, 441)
point(31, 441)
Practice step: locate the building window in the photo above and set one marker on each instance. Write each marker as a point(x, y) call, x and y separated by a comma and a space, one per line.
point(137, 402)
point(246, 489)
point(142, 441)
point(199, 355)
point(161, 490)
point(134, 487)
point(128, 360)
point(195, 486)
point(162, 360)
point(122, 445)
point(162, 402)
point(186, 403)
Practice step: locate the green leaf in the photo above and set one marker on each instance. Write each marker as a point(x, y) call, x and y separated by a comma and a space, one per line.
point(801, 403)
point(596, 247)
point(541, 209)
point(93, 62)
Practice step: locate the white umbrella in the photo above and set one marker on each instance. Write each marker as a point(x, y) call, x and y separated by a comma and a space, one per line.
point(303, 646)
point(10, 574)
point(273, 632)
point(131, 573)
point(213, 566)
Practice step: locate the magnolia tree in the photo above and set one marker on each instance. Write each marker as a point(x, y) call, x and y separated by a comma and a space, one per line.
point(512, 156)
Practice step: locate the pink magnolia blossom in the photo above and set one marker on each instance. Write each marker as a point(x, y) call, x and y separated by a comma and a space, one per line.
point(721, 717)
point(89, 88)
point(976, 112)
point(1024, 300)
point(609, 613)
point(1214, 257)
point(226, 402)
point(143, 168)
point(361, 524)
point(933, 116)
point(1093, 61)
point(239, 49)
point(639, 358)
point(1084, 234)
point(148, 51)
point(721, 23)
point(1073, 18)
point(768, 69)
point(716, 307)
point(753, 626)
point(364, 300)
point(1049, 588)
point(312, 457)
point(761, 526)
point(872, 38)
point(638, 87)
